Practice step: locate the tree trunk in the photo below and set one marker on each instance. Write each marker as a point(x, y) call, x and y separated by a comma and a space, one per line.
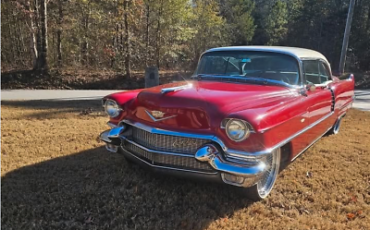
point(127, 39)
point(115, 38)
point(158, 48)
point(43, 43)
point(38, 31)
point(85, 44)
point(33, 43)
point(147, 54)
point(121, 42)
point(59, 32)
point(17, 39)
point(12, 37)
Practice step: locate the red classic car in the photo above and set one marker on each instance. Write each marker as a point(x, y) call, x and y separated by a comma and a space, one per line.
point(246, 113)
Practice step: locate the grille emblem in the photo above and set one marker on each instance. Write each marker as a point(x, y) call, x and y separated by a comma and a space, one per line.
point(158, 115)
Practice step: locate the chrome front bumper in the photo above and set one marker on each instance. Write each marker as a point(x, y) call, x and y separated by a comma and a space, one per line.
point(209, 159)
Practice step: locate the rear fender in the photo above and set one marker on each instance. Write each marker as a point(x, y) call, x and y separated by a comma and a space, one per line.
point(343, 89)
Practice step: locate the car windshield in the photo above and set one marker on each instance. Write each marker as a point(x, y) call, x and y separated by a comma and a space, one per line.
point(253, 64)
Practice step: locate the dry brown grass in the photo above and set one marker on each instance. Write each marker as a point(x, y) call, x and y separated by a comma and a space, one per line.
point(56, 175)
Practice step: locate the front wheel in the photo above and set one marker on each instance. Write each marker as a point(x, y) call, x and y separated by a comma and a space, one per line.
point(264, 186)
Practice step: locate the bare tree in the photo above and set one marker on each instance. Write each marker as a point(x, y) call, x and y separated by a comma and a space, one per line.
point(59, 32)
point(158, 45)
point(43, 38)
point(127, 39)
point(147, 30)
point(33, 31)
point(85, 43)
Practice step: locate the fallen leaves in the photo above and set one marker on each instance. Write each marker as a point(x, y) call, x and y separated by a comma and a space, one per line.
point(357, 214)
point(351, 216)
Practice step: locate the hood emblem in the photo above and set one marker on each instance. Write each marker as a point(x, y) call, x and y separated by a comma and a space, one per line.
point(156, 115)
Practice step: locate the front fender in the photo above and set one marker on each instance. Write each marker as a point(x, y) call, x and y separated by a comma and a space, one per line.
point(124, 99)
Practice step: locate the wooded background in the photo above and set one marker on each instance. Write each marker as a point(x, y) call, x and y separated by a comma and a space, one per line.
point(128, 35)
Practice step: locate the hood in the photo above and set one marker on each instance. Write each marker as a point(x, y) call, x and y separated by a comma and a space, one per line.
point(203, 104)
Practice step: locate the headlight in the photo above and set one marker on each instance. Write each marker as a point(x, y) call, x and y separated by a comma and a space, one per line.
point(112, 108)
point(237, 130)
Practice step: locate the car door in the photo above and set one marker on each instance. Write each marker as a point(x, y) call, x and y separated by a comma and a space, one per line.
point(320, 98)
point(318, 102)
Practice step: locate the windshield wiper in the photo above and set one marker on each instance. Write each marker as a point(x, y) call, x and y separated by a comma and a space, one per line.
point(267, 81)
point(199, 76)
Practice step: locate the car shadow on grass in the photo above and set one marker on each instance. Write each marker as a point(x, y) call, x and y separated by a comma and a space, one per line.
point(94, 189)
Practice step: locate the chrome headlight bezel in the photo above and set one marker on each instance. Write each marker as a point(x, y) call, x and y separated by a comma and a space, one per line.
point(112, 108)
point(245, 129)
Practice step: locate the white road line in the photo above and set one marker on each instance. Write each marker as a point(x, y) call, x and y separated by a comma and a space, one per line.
point(54, 94)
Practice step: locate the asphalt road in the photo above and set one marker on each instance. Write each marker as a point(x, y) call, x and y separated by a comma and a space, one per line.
point(362, 100)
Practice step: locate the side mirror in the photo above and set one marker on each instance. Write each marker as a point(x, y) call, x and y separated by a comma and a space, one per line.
point(311, 87)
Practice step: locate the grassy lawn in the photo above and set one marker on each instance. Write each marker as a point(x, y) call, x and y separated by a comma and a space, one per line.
point(56, 175)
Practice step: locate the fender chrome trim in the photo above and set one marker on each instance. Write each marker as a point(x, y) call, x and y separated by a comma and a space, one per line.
point(241, 154)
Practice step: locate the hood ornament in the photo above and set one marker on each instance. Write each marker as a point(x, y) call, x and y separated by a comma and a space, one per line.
point(177, 88)
point(156, 115)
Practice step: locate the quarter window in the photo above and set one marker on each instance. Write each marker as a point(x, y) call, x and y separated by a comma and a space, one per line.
point(324, 73)
point(311, 71)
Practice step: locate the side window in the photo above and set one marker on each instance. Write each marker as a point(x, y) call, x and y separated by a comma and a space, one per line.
point(311, 71)
point(324, 73)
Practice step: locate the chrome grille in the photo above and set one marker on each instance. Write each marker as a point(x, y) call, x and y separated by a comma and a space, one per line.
point(167, 143)
point(167, 159)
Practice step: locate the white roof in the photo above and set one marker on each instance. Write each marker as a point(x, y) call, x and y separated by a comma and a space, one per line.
point(298, 53)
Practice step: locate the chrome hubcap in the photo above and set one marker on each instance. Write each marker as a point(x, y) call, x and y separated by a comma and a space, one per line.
point(267, 181)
